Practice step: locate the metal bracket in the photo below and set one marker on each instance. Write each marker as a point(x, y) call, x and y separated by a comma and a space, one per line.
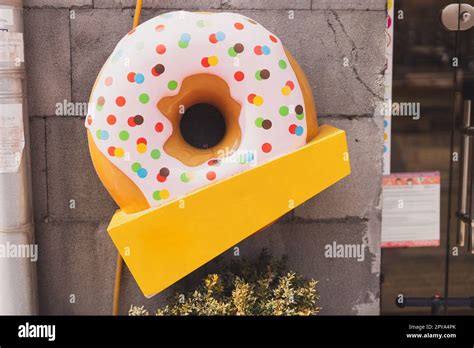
point(458, 17)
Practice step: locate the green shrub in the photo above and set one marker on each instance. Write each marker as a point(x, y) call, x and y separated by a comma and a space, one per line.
point(246, 288)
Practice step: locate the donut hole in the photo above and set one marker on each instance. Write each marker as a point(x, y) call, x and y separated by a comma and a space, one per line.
point(202, 126)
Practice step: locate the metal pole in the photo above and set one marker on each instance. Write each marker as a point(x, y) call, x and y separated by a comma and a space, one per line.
point(18, 251)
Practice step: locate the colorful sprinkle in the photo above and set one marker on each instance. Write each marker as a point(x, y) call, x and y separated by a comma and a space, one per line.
point(259, 50)
point(239, 76)
point(262, 74)
point(141, 148)
point(142, 141)
point(186, 177)
point(183, 44)
point(238, 26)
point(172, 85)
point(131, 77)
point(211, 175)
point(282, 64)
point(160, 49)
point(266, 147)
point(299, 131)
point(159, 195)
point(108, 81)
point(159, 127)
point(138, 119)
point(111, 119)
point(120, 101)
point(155, 154)
point(136, 167)
point(139, 78)
point(220, 36)
point(159, 28)
point(158, 69)
point(142, 173)
point(286, 91)
point(124, 135)
point(284, 111)
point(258, 100)
point(184, 40)
point(119, 152)
point(292, 129)
point(144, 98)
point(102, 134)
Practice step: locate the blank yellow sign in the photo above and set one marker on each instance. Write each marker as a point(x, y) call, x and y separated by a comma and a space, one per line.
point(162, 245)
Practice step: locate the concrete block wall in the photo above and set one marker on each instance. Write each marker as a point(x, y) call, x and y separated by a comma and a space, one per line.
point(67, 42)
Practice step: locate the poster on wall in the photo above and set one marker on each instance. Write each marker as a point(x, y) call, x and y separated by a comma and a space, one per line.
point(411, 210)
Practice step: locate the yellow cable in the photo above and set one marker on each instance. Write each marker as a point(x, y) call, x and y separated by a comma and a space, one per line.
point(118, 268)
point(138, 11)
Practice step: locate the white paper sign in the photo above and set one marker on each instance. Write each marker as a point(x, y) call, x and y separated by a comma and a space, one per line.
point(6, 17)
point(411, 210)
point(12, 137)
point(11, 47)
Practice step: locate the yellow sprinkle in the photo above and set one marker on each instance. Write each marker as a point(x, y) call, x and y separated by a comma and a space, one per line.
point(119, 152)
point(286, 90)
point(141, 148)
point(258, 100)
point(213, 60)
point(164, 194)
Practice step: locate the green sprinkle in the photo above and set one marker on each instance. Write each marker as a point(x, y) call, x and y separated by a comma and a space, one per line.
point(232, 52)
point(136, 167)
point(258, 122)
point(144, 98)
point(284, 111)
point(123, 135)
point(172, 85)
point(155, 154)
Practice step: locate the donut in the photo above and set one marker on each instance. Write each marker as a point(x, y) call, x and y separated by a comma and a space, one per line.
point(180, 61)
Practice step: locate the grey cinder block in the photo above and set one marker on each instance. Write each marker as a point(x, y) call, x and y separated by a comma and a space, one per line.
point(74, 190)
point(267, 4)
point(377, 5)
point(358, 194)
point(38, 167)
point(94, 34)
point(57, 3)
point(76, 267)
point(160, 4)
point(48, 65)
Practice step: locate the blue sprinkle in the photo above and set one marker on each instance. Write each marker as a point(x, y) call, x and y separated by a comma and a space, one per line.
point(299, 130)
point(142, 173)
point(220, 36)
point(266, 50)
point(139, 78)
point(186, 37)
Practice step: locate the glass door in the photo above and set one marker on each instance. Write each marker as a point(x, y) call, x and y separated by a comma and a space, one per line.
point(433, 70)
